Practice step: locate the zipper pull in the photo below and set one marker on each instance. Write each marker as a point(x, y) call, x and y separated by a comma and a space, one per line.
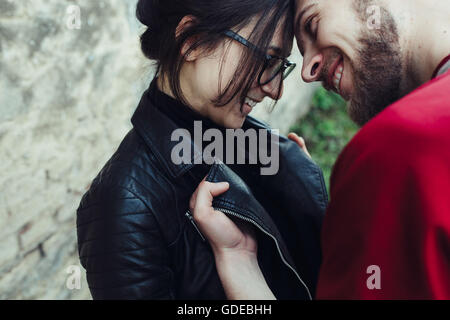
point(191, 218)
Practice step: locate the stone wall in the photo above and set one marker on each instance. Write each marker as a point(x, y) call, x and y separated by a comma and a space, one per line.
point(66, 97)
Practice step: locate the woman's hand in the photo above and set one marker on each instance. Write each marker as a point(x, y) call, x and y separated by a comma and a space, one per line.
point(224, 235)
point(234, 245)
point(300, 141)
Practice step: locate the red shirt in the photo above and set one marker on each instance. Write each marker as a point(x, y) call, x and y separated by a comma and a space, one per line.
point(390, 204)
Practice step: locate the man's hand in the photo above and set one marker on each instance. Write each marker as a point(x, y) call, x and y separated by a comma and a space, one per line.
point(300, 141)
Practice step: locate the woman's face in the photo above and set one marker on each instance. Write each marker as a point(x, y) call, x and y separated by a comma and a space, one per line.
point(204, 77)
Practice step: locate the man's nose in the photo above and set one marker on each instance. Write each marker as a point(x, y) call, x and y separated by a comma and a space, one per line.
point(312, 68)
point(274, 89)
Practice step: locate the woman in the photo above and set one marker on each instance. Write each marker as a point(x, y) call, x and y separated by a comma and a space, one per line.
point(215, 59)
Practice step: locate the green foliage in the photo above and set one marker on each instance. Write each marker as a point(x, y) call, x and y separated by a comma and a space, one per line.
point(326, 129)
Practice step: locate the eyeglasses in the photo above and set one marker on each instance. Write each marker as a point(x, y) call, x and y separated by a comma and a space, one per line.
point(273, 65)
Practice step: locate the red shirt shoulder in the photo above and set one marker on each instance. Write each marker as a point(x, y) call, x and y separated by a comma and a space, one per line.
point(389, 203)
point(417, 123)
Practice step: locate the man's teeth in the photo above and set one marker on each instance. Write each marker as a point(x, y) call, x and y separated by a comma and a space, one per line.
point(250, 102)
point(337, 78)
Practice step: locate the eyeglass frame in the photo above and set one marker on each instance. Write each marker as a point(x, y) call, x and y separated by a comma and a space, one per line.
point(286, 63)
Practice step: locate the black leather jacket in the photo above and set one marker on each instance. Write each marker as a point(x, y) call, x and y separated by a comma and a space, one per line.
point(137, 239)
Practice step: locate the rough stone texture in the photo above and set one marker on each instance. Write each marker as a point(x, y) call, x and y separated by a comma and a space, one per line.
point(66, 97)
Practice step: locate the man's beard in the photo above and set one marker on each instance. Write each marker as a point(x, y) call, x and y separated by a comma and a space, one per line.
point(377, 79)
point(377, 72)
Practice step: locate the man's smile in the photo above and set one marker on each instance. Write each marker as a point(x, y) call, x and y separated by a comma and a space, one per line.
point(333, 81)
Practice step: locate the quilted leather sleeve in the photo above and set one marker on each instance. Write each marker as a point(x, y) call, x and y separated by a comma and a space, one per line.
point(121, 247)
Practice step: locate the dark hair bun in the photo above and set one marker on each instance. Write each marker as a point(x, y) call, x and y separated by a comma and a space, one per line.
point(148, 13)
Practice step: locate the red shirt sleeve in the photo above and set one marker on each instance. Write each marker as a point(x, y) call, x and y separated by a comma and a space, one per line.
point(389, 208)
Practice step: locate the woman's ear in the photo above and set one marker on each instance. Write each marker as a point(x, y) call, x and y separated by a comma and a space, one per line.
point(185, 23)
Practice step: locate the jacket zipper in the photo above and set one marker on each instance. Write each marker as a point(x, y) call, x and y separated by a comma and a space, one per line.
point(270, 235)
point(191, 219)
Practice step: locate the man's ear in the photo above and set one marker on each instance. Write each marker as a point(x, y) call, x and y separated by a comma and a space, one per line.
point(185, 23)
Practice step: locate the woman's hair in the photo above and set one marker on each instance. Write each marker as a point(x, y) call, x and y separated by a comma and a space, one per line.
point(211, 18)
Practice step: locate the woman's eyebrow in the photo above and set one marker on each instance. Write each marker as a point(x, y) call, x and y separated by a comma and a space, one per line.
point(276, 50)
point(280, 52)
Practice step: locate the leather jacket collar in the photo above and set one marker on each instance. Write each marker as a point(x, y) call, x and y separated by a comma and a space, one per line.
point(156, 130)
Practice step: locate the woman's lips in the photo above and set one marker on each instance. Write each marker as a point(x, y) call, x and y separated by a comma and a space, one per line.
point(246, 109)
point(248, 106)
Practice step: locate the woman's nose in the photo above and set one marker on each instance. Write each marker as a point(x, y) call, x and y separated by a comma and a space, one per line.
point(312, 68)
point(274, 89)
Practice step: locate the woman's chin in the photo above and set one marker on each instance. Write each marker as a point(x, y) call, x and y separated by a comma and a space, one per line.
point(236, 122)
point(236, 125)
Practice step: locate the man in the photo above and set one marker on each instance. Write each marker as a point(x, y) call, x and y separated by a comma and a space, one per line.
point(386, 234)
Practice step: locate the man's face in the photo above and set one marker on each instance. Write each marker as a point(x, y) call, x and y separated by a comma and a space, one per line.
point(359, 60)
